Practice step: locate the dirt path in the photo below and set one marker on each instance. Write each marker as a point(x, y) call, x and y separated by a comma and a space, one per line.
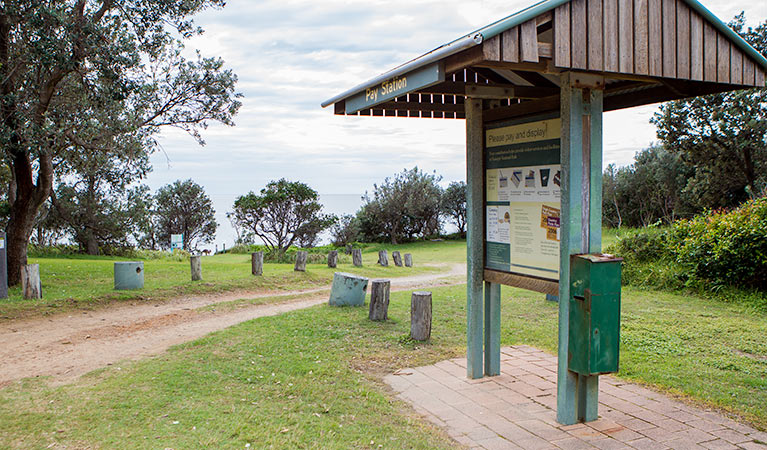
point(67, 346)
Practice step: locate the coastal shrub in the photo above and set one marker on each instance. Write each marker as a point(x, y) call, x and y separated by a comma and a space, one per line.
point(725, 247)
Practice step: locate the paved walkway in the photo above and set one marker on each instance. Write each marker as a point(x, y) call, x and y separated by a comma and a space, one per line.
point(518, 410)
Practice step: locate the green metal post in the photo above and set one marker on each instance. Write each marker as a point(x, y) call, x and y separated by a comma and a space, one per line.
point(492, 329)
point(581, 158)
point(475, 237)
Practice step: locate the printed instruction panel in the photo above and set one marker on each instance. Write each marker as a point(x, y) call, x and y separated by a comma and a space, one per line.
point(523, 190)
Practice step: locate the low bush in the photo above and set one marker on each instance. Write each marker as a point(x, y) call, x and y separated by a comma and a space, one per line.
point(643, 245)
point(726, 248)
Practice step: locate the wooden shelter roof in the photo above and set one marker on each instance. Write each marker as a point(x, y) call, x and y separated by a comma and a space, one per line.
point(640, 51)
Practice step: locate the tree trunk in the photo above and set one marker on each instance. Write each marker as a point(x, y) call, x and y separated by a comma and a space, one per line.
point(357, 257)
point(408, 260)
point(383, 258)
point(420, 315)
point(25, 199)
point(196, 266)
point(91, 243)
point(257, 263)
point(397, 258)
point(379, 300)
point(333, 258)
point(300, 261)
point(30, 281)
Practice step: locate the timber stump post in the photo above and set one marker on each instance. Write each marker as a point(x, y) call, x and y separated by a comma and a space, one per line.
point(357, 257)
point(30, 281)
point(257, 263)
point(195, 264)
point(333, 258)
point(379, 300)
point(300, 261)
point(420, 315)
point(383, 258)
point(397, 258)
point(408, 260)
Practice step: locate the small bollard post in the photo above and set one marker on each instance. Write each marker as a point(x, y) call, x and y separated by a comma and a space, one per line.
point(383, 258)
point(257, 263)
point(420, 315)
point(195, 263)
point(300, 261)
point(333, 258)
point(30, 281)
point(379, 300)
point(357, 257)
point(408, 260)
point(397, 258)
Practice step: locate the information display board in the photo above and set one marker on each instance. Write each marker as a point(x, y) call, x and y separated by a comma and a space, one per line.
point(176, 241)
point(522, 194)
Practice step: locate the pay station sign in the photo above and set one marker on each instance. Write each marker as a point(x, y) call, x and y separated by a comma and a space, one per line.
point(396, 87)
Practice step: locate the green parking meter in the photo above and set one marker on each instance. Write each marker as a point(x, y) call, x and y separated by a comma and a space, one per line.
point(595, 311)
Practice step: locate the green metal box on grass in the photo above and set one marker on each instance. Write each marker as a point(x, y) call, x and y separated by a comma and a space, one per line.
point(595, 312)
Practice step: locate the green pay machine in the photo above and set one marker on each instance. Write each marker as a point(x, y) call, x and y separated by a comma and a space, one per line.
point(595, 311)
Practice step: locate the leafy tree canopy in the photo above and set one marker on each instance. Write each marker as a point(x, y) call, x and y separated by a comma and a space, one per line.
point(285, 213)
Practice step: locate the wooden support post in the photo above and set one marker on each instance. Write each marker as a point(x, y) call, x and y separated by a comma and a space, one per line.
point(195, 264)
point(357, 257)
point(301, 261)
point(257, 263)
point(379, 300)
point(333, 258)
point(475, 237)
point(397, 258)
point(31, 287)
point(581, 158)
point(420, 316)
point(408, 260)
point(383, 258)
point(492, 329)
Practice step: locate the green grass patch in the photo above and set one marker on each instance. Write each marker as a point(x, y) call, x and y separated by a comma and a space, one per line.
point(80, 281)
point(312, 378)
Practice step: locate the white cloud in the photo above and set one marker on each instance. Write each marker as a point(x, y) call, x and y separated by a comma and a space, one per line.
point(290, 55)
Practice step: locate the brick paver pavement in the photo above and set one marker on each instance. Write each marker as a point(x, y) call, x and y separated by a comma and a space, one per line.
point(518, 410)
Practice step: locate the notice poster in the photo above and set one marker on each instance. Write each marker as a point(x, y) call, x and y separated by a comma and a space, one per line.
point(523, 190)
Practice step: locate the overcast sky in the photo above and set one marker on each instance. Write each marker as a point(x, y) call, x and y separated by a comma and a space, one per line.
point(290, 55)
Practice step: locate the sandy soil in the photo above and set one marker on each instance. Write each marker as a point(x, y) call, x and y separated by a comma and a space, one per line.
point(69, 345)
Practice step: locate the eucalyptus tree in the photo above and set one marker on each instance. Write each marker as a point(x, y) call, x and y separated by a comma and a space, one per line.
point(100, 75)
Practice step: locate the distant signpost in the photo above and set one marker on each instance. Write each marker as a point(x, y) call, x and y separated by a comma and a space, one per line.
point(176, 242)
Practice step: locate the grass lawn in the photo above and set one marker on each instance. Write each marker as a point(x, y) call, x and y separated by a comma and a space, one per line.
point(311, 378)
point(86, 281)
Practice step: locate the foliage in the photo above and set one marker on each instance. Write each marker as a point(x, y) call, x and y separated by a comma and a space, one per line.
point(725, 247)
point(345, 231)
point(283, 214)
point(404, 207)
point(454, 205)
point(184, 208)
point(98, 76)
point(643, 245)
point(651, 189)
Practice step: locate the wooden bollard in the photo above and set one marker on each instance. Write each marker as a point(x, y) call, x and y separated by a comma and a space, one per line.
point(397, 258)
point(379, 300)
point(357, 257)
point(383, 258)
point(257, 263)
point(30, 281)
point(348, 250)
point(300, 261)
point(420, 315)
point(333, 258)
point(408, 260)
point(196, 266)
